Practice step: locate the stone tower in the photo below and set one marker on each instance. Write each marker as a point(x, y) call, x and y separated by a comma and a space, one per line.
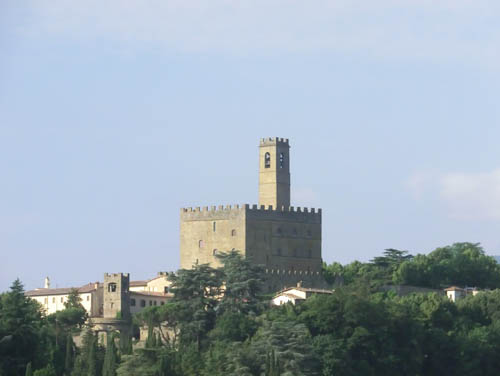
point(274, 172)
point(116, 295)
point(286, 240)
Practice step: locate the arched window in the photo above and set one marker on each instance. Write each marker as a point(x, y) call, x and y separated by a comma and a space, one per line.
point(267, 160)
point(282, 160)
point(201, 244)
point(233, 232)
point(112, 287)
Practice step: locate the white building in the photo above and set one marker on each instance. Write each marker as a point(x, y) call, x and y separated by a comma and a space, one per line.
point(149, 293)
point(455, 293)
point(296, 294)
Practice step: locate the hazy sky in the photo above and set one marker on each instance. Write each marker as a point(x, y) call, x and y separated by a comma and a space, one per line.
point(115, 114)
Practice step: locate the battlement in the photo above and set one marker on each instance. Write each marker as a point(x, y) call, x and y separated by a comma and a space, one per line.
point(252, 208)
point(116, 275)
point(260, 208)
point(292, 272)
point(273, 141)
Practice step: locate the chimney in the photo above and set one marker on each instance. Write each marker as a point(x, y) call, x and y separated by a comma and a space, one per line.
point(299, 284)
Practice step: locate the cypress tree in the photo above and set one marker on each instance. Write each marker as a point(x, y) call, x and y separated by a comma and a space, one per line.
point(29, 371)
point(68, 362)
point(92, 358)
point(109, 366)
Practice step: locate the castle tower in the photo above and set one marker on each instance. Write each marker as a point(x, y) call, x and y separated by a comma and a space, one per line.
point(274, 172)
point(116, 295)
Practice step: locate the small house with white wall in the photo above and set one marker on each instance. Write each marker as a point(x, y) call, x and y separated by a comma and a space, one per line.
point(296, 294)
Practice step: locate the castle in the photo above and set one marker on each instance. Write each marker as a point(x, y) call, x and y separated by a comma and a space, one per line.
point(284, 239)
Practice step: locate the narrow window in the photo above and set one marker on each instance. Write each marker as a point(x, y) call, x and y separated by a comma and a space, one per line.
point(282, 160)
point(88, 298)
point(53, 300)
point(201, 244)
point(267, 160)
point(143, 303)
point(214, 252)
point(214, 226)
point(150, 303)
point(233, 232)
point(132, 302)
point(165, 289)
point(154, 303)
point(112, 287)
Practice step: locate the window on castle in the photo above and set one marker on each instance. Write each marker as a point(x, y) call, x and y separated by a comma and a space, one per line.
point(143, 303)
point(201, 244)
point(214, 226)
point(112, 287)
point(214, 252)
point(282, 160)
point(279, 231)
point(267, 160)
point(165, 289)
point(132, 302)
point(233, 232)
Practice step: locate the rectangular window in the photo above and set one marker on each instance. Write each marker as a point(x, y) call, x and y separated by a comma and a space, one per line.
point(132, 302)
point(62, 299)
point(53, 300)
point(88, 298)
point(150, 303)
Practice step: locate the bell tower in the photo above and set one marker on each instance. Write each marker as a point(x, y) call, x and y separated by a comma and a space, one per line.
point(274, 172)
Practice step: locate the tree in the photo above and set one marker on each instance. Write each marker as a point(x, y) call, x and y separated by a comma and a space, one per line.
point(195, 293)
point(242, 281)
point(20, 322)
point(110, 358)
point(69, 359)
point(29, 371)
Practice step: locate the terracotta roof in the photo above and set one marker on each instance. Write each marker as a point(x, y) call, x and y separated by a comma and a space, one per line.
point(305, 289)
point(138, 283)
point(454, 288)
point(89, 287)
point(152, 293)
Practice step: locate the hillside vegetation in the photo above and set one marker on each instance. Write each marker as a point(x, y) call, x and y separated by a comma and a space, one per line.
point(219, 323)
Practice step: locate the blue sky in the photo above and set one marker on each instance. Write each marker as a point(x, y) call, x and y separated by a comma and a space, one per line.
point(115, 114)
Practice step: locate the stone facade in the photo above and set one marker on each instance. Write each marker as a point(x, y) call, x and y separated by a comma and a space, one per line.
point(284, 239)
point(116, 295)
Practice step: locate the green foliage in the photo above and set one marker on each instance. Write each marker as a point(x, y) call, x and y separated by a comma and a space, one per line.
point(242, 281)
point(47, 371)
point(70, 354)
point(463, 264)
point(110, 358)
point(29, 371)
point(20, 323)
